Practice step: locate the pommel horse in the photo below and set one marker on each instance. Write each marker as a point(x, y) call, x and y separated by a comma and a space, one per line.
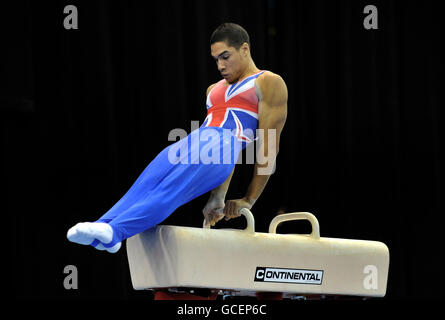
point(172, 259)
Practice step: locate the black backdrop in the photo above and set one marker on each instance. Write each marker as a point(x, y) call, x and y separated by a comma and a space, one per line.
point(84, 111)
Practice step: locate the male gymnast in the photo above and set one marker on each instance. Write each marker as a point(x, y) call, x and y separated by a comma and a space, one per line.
point(246, 99)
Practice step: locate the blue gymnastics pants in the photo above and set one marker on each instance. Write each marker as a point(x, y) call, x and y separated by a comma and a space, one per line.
point(181, 172)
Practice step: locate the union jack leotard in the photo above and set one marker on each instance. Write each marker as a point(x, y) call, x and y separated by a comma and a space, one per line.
point(234, 107)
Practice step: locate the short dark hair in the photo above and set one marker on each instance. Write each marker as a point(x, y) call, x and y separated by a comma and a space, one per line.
point(232, 33)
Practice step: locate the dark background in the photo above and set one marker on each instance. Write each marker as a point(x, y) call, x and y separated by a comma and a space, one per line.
point(84, 111)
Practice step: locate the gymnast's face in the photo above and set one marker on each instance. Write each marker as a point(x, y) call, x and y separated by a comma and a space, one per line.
point(231, 62)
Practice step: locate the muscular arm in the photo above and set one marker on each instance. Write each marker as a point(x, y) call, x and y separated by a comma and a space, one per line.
point(272, 114)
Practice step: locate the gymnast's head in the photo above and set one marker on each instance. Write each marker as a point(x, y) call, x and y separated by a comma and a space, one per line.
point(230, 47)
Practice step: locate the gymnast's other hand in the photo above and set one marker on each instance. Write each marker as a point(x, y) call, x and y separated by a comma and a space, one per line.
point(213, 210)
point(233, 207)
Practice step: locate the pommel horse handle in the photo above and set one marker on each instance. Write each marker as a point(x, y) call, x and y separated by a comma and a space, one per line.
point(249, 217)
point(296, 216)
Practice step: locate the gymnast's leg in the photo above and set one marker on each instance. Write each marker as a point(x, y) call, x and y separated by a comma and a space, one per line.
point(161, 188)
point(87, 233)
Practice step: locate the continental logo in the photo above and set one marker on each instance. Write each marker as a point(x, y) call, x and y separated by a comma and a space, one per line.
point(285, 275)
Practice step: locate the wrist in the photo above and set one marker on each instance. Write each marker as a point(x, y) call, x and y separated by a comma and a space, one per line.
point(249, 200)
point(218, 194)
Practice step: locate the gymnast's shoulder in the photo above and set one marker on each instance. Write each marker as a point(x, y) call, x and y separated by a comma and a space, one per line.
point(210, 88)
point(270, 83)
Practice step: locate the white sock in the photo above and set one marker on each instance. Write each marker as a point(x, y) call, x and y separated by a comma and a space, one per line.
point(85, 233)
point(113, 249)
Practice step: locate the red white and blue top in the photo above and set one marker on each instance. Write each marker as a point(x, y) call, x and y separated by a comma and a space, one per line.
point(234, 107)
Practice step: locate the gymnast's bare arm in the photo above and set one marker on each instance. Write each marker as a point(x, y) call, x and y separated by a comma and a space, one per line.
point(272, 108)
